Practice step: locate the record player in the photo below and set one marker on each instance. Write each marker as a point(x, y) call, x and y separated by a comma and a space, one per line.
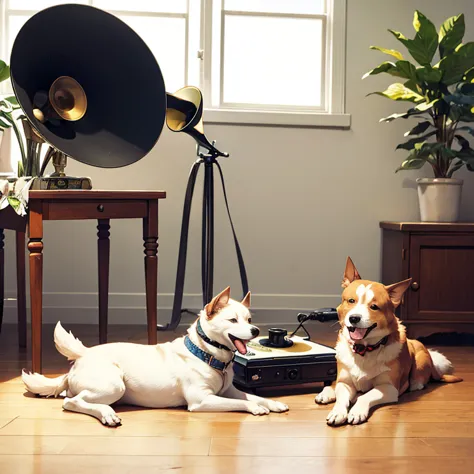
point(279, 360)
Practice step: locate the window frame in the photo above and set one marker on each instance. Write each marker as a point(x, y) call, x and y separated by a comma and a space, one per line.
point(332, 114)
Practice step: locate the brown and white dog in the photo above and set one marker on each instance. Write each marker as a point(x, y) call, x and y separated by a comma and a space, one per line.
point(373, 353)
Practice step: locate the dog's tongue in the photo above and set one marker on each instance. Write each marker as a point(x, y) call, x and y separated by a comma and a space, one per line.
point(358, 333)
point(240, 345)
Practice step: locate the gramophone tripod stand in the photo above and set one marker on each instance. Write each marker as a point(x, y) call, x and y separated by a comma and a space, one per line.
point(209, 160)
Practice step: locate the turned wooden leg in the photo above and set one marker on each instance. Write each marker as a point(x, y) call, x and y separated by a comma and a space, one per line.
point(2, 276)
point(35, 247)
point(103, 246)
point(150, 242)
point(21, 288)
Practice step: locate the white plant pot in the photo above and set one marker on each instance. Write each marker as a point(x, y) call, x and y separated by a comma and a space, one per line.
point(439, 199)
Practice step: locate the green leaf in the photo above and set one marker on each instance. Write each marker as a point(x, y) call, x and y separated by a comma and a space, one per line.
point(426, 149)
point(460, 99)
point(4, 71)
point(463, 141)
point(406, 69)
point(391, 52)
point(455, 65)
point(387, 67)
point(451, 34)
point(414, 49)
point(454, 167)
point(429, 74)
point(411, 164)
point(426, 35)
point(467, 129)
point(417, 129)
point(410, 144)
point(426, 105)
point(12, 99)
point(424, 45)
point(4, 124)
point(405, 115)
point(14, 202)
point(399, 91)
point(21, 170)
point(469, 76)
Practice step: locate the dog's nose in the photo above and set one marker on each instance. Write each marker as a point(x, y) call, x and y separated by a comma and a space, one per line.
point(354, 319)
point(255, 332)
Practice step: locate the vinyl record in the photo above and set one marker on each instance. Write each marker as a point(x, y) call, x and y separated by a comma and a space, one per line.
point(123, 83)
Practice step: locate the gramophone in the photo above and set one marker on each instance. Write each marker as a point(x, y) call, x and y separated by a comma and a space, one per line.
point(89, 87)
point(92, 90)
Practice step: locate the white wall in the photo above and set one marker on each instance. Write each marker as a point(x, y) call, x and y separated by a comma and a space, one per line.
point(302, 199)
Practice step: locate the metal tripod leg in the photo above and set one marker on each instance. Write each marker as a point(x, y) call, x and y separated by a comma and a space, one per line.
point(207, 256)
point(207, 260)
point(183, 248)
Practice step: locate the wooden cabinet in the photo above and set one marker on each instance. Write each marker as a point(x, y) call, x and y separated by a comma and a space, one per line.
point(440, 259)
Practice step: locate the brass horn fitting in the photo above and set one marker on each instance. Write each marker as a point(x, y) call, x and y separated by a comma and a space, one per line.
point(68, 98)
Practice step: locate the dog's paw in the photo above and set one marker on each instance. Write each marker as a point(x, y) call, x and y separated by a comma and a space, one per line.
point(337, 416)
point(358, 414)
point(276, 407)
point(110, 418)
point(257, 409)
point(414, 386)
point(327, 395)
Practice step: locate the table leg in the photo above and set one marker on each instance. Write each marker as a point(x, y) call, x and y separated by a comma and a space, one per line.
point(103, 247)
point(2, 276)
point(35, 247)
point(21, 288)
point(150, 242)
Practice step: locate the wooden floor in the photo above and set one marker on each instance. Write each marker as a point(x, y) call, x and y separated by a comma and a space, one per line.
point(430, 431)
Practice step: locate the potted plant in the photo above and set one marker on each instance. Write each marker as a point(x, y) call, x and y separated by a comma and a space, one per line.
point(14, 190)
point(440, 91)
point(7, 121)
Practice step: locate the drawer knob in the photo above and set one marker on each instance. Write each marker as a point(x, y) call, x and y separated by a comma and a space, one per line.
point(100, 208)
point(415, 286)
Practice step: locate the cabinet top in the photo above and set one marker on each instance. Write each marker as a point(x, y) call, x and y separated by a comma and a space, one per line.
point(428, 226)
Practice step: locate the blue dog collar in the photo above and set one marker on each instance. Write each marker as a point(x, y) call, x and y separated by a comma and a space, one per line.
point(207, 358)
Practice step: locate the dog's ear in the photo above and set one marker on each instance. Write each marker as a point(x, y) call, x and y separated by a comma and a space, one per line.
point(246, 300)
point(397, 290)
point(218, 302)
point(350, 273)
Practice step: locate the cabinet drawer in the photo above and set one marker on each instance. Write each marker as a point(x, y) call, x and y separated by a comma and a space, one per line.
point(442, 269)
point(70, 210)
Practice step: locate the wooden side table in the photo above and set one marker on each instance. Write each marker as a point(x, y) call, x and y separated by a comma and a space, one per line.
point(440, 259)
point(102, 206)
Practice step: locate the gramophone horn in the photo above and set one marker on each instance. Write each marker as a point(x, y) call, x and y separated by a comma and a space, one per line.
point(89, 85)
point(184, 114)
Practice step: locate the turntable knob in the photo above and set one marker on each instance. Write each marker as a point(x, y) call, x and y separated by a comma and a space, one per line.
point(293, 374)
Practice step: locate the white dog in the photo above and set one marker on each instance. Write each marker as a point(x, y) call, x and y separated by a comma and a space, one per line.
point(194, 370)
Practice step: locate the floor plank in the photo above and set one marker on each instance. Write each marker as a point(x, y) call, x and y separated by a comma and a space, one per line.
point(431, 430)
point(50, 427)
point(229, 465)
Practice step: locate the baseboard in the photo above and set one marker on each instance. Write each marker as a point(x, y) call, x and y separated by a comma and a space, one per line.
point(129, 308)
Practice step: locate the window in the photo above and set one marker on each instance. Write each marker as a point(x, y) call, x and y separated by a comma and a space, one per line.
point(256, 61)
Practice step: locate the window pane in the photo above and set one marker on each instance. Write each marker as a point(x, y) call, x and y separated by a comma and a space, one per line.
point(163, 6)
point(166, 38)
point(15, 23)
point(277, 6)
point(39, 4)
point(277, 61)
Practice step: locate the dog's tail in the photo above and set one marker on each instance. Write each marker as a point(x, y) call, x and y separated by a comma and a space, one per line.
point(44, 386)
point(442, 368)
point(67, 344)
